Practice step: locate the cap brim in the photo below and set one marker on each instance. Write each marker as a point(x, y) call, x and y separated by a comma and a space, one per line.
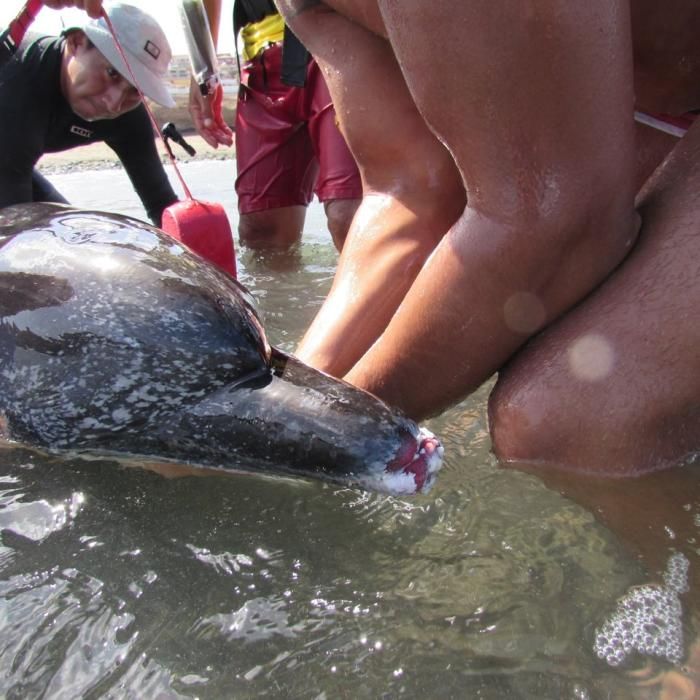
point(148, 82)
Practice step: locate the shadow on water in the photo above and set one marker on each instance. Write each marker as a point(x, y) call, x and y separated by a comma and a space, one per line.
point(117, 582)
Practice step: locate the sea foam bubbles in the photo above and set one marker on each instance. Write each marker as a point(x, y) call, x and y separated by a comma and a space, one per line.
point(648, 619)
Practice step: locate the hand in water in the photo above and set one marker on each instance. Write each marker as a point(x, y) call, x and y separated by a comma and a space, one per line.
point(207, 115)
point(92, 7)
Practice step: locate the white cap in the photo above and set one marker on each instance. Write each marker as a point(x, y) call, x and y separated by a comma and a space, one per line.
point(144, 44)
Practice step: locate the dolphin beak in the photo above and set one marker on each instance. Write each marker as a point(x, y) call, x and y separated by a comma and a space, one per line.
point(421, 466)
point(297, 420)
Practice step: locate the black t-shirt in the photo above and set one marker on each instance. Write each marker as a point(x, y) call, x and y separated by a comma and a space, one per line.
point(35, 119)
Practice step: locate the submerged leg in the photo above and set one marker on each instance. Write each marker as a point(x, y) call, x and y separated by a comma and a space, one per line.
point(412, 189)
point(615, 386)
point(277, 228)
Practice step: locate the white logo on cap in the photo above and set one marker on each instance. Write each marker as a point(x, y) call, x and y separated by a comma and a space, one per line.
point(79, 131)
point(151, 49)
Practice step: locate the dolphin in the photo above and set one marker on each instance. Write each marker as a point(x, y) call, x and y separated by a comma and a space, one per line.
point(117, 340)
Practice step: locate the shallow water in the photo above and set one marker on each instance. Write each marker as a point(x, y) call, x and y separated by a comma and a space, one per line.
point(117, 582)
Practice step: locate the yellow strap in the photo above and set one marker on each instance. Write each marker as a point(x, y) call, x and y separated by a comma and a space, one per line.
point(258, 35)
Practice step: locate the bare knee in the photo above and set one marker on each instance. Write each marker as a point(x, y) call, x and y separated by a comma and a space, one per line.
point(535, 421)
point(519, 421)
point(559, 404)
point(272, 229)
point(610, 428)
point(339, 215)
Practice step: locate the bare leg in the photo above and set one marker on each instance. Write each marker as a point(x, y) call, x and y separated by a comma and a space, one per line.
point(339, 214)
point(272, 229)
point(412, 188)
point(546, 219)
point(615, 386)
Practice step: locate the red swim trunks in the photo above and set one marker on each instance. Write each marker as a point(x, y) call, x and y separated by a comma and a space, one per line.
point(288, 145)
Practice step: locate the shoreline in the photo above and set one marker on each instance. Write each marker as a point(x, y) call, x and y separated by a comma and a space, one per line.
point(99, 156)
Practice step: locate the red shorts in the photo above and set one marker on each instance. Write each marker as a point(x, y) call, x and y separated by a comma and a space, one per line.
point(288, 145)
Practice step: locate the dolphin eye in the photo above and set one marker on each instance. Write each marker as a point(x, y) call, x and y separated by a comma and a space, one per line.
point(113, 72)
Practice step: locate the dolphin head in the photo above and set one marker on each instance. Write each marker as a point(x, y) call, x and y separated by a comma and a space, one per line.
point(114, 338)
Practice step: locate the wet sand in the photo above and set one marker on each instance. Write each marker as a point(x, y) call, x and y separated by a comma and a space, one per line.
point(99, 156)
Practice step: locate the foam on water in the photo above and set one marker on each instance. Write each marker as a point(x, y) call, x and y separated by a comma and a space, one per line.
point(648, 619)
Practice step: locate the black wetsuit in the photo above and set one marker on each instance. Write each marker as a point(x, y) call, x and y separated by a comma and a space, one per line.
point(35, 119)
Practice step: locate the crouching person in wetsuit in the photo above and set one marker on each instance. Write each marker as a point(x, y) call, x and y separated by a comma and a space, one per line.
point(60, 92)
point(288, 144)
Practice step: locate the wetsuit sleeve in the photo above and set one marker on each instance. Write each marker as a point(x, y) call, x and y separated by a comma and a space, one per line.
point(22, 128)
point(15, 180)
point(133, 141)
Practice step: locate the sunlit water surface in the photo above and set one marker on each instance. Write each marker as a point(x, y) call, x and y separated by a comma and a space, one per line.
point(117, 582)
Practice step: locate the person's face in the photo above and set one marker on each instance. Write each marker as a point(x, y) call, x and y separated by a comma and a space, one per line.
point(93, 88)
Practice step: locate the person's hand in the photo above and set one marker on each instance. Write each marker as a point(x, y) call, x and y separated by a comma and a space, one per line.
point(207, 114)
point(92, 7)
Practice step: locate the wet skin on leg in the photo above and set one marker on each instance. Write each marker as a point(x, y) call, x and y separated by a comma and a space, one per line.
point(281, 228)
point(339, 215)
point(412, 195)
point(629, 353)
point(546, 219)
point(273, 228)
point(652, 146)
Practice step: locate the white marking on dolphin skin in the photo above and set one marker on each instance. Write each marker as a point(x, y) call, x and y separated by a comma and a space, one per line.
point(124, 382)
point(87, 423)
point(121, 416)
point(119, 347)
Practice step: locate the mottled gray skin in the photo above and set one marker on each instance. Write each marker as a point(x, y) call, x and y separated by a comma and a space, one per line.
point(114, 338)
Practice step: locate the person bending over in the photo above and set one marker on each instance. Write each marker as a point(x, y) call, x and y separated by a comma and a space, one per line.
point(60, 92)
